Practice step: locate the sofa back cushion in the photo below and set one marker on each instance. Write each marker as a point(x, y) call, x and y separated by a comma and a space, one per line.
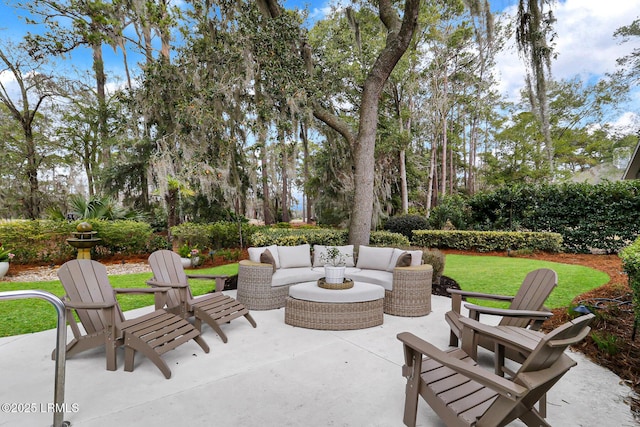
point(374, 258)
point(254, 253)
point(346, 251)
point(294, 256)
point(414, 258)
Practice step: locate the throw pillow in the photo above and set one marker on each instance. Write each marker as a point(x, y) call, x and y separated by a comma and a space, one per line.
point(254, 253)
point(267, 258)
point(404, 260)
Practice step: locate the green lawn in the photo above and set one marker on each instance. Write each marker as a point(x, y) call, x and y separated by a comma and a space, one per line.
point(503, 275)
point(33, 315)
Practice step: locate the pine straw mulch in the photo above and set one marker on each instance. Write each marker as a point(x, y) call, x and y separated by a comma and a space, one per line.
point(613, 325)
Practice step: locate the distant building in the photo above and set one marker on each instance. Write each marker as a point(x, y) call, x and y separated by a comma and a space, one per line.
point(633, 167)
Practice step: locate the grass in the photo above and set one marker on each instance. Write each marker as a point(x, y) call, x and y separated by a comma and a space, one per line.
point(33, 315)
point(503, 275)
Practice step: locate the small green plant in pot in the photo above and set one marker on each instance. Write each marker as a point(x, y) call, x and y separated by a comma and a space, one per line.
point(334, 265)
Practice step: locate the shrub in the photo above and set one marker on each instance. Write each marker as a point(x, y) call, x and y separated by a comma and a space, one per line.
point(386, 238)
point(485, 241)
point(436, 259)
point(405, 224)
point(452, 210)
point(122, 237)
point(631, 265)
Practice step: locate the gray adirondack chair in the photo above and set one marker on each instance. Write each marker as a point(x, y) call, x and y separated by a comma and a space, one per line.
point(91, 296)
point(525, 309)
point(214, 308)
point(465, 394)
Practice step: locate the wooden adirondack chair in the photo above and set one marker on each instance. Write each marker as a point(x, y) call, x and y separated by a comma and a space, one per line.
point(91, 296)
point(524, 309)
point(465, 394)
point(213, 308)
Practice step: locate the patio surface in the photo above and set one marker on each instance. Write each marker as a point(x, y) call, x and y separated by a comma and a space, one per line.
point(275, 375)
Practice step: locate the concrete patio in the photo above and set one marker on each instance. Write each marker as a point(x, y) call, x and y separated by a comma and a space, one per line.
point(275, 375)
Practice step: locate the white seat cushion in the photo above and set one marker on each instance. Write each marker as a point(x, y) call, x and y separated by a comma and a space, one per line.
point(358, 293)
point(376, 277)
point(288, 276)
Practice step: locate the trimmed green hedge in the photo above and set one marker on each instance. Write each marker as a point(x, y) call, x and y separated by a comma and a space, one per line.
point(631, 264)
point(486, 241)
point(605, 216)
point(320, 236)
point(45, 241)
point(215, 235)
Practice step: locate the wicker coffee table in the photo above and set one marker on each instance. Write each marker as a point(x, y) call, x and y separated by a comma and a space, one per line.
point(313, 307)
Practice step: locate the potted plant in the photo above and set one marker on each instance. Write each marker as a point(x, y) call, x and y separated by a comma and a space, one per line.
point(190, 255)
point(5, 257)
point(334, 265)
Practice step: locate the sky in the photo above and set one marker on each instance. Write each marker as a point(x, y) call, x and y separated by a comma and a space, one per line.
point(585, 44)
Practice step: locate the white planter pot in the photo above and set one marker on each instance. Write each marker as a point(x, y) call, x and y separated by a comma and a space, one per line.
point(333, 274)
point(4, 267)
point(186, 262)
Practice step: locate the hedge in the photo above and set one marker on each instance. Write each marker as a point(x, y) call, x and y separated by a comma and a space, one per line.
point(215, 235)
point(45, 241)
point(631, 264)
point(605, 216)
point(320, 236)
point(485, 241)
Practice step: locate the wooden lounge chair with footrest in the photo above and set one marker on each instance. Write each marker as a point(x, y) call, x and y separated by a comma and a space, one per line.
point(91, 296)
point(214, 308)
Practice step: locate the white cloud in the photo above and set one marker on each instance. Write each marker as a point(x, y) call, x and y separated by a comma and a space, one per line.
point(585, 44)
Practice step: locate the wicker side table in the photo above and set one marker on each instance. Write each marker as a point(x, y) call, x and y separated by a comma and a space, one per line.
point(310, 306)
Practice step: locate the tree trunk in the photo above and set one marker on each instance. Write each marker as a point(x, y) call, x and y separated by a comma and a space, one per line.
point(403, 183)
point(432, 174)
point(398, 39)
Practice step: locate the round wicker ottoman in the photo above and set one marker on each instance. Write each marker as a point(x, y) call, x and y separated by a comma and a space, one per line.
point(313, 307)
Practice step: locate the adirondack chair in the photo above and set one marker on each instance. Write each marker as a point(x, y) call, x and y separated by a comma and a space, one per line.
point(214, 308)
point(465, 394)
point(524, 309)
point(91, 296)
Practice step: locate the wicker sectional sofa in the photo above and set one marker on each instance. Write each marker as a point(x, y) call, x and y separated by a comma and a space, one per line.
point(264, 281)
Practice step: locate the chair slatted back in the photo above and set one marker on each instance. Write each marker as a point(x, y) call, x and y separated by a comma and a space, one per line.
point(533, 292)
point(553, 345)
point(167, 267)
point(86, 281)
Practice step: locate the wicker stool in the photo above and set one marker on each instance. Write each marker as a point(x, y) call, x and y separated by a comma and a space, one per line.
point(313, 307)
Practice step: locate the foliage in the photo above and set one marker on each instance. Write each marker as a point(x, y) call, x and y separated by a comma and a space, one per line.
point(293, 237)
point(229, 254)
point(486, 241)
point(405, 224)
point(45, 241)
point(604, 216)
point(216, 235)
point(452, 210)
point(333, 256)
point(5, 254)
point(631, 264)
point(435, 259)
point(95, 207)
point(386, 238)
point(607, 342)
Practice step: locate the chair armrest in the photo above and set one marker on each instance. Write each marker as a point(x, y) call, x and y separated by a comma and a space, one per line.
point(480, 295)
point(497, 383)
point(476, 310)
point(89, 305)
point(153, 282)
point(504, 337)
point(140, 291)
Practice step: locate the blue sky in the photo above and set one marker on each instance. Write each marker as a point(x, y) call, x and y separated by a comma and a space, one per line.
point(585, 43)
